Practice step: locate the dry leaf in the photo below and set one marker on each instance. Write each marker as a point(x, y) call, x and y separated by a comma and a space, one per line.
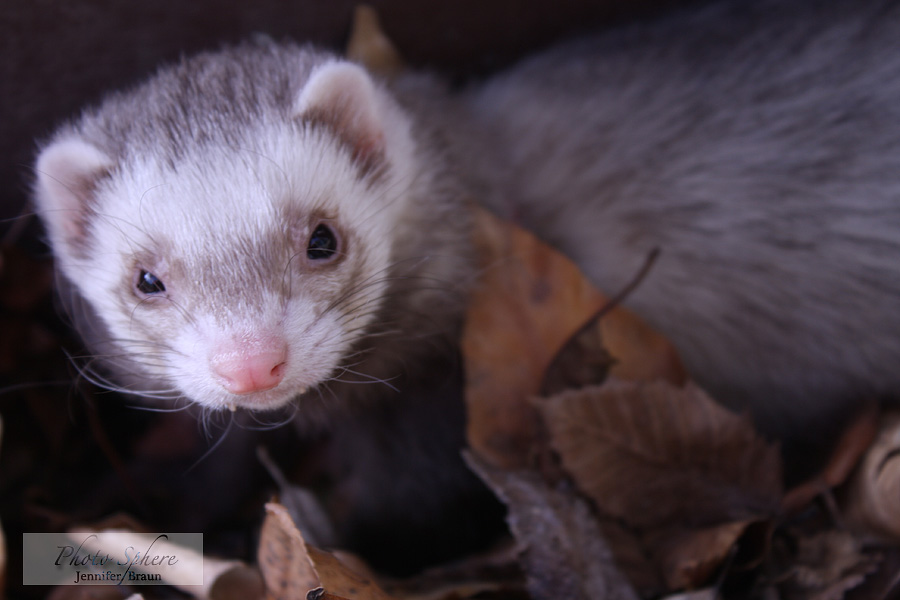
point(523, 318)
point(615, 342)
point(633, 558)
point(669, 461)
point(873, 495)
point(488, 575)
point(827, 565)
point(690, 557)
point(564, 553)
point(640, 353)
point(241, 582)
point(322, 594)
point(285, 565)
point(369, 46)
point(340, 579)
point(854, 441)
point(656, 455)
point(291, 569)
point(583, 360)
point(530, 301)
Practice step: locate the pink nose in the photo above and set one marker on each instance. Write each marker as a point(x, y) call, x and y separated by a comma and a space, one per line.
point(250, 370)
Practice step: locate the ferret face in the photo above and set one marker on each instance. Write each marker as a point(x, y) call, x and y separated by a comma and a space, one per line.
point(242, 273)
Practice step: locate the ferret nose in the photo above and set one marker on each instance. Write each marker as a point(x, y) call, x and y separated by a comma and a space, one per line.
point(246, 372)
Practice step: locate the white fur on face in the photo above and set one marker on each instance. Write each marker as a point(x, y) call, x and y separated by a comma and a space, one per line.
point(226, 230)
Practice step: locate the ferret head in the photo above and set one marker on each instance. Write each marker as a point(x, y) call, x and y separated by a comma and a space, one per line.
point(237, 222)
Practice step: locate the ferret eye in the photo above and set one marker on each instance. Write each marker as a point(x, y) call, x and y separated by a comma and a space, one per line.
point(322, 244)
point(148, 283)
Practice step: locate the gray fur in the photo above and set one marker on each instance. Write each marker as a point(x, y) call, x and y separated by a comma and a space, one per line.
point(210, 98)
point(756, 144)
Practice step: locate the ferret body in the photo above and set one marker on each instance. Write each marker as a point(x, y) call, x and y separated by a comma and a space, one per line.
point(268, 224)
point(757, 145)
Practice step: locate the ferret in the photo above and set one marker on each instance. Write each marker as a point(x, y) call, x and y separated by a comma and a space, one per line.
point(241, 221)
point(757, 146)
point(270, 225)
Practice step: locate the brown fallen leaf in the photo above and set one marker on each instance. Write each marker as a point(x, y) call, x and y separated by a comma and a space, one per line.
point(615, 342)
point(640, 353)
point(564, 553)
point(670, 463)
point(286, 567)
point(633, 557)
point(653, 454)
point(529, 301)
point(872, 498)
point(582, 361)
point(369, 46)
point(291, 569)
point(856, 439)
point(826, 566)
point(493, 574)
point(689, 557)
point(322, 594)
point(241, 582)
point(339, 577)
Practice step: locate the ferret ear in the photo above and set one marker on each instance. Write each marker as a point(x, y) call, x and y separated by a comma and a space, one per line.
point(67, 174)
point(341, 96)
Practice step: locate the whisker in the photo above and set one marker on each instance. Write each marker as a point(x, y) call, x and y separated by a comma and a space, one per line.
point(268, 426)
point(216, 444)
point(159, 409)
point(368, 379)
